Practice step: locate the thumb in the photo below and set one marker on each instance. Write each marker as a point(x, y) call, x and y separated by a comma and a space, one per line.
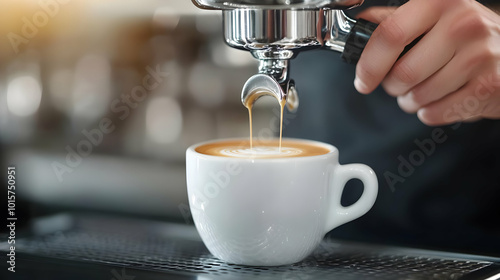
point(376, 14)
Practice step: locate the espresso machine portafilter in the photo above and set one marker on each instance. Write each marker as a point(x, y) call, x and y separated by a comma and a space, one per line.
point(275, 31)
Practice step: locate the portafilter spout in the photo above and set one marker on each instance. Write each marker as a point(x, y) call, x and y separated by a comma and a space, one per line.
point(262, 84)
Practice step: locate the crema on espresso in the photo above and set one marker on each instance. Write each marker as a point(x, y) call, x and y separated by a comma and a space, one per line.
point(262, 149)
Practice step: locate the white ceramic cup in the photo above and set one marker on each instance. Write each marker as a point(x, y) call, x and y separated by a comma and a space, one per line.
point(271, 211)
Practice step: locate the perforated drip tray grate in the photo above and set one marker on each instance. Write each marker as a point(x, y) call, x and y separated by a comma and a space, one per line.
point(177, 249)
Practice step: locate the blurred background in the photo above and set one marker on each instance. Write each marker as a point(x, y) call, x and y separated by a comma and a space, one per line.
point(99, 100)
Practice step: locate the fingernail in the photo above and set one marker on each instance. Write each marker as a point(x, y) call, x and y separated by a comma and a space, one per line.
point(421, 114)
point(360, 85)
point(407, 104)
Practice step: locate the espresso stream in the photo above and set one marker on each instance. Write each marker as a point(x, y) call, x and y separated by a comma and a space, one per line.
point(249, 105)
point(262, 149)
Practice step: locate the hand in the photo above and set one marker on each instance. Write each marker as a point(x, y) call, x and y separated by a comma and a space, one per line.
point(452, 74)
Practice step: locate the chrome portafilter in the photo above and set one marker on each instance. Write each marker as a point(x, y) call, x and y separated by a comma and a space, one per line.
point(275, 31)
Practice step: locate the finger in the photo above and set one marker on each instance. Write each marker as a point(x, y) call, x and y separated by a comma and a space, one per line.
point(461, 105)
point(426, 58)
point(467, 62)
point(376, 14)
point(389, 39)
point(446, 81)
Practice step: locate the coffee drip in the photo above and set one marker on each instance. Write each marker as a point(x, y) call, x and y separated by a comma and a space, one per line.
point(261, 85)
point(250, 107)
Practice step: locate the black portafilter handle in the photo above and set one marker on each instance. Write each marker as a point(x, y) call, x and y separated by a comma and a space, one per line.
point(358, 38)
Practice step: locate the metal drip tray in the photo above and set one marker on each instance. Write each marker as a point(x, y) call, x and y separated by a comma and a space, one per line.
point(175, 248)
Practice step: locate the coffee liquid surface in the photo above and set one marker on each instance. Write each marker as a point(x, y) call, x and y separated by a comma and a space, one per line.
point(262, 149)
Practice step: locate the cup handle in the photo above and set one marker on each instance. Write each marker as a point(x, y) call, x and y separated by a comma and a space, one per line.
point(338, 214)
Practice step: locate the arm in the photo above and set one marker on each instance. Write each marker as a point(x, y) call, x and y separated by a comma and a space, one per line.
point(452, 74)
